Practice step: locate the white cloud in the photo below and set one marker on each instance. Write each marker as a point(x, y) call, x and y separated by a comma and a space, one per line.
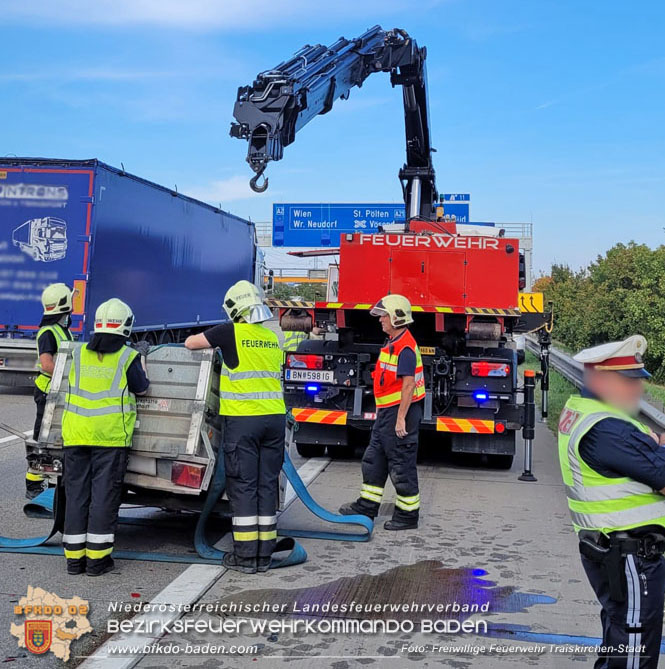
point(256, 15)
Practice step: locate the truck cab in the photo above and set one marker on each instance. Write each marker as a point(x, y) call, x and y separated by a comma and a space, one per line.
point(43, 239)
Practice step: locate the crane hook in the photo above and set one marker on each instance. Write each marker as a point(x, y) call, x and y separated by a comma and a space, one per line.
point(253, 182)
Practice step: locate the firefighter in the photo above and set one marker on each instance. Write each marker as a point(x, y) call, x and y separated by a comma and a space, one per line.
point(253, 411)
point(300, 319)
point(613, 467)
point(53, 329)
point(97, 427)
point(294, 318)
point(399, 387)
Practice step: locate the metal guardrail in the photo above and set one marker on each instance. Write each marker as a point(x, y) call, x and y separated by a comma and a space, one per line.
point(573, 371)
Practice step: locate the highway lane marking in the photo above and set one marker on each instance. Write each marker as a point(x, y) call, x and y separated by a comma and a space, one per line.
point(187, 588)
point(307, 472)
point(11, 437)
point(184, 590)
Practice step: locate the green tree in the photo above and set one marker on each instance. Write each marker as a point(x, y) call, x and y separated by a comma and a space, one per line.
point(619, 294)
point(315, 292)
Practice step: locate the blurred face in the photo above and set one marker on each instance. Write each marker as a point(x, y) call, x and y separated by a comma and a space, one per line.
point(622, 392)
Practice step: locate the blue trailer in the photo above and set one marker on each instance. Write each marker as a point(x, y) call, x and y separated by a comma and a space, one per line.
point(108, 234)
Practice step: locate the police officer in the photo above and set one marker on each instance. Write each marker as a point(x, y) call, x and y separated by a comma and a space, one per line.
point(253, 411)
point(613, 467)
point(97, 428)
point(399, 387)
point(53, 329)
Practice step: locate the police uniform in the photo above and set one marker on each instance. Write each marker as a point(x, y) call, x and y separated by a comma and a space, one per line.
point(613, 470)
point(251, 404)
point(97, 428)
point(387, 454)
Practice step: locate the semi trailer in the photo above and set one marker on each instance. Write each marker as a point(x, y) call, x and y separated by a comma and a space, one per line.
point(464, 285)
point(107, 233)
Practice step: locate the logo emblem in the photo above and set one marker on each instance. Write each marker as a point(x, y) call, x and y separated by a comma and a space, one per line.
point(567, 420)
point(38, 636)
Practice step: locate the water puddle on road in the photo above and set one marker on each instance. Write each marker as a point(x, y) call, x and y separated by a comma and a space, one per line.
point(424, 584)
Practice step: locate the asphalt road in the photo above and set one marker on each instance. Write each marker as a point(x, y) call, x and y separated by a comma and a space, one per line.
point(474, 518)
point(484, 537)
point(131, 581)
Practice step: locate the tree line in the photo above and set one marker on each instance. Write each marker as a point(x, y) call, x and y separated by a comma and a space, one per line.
point(619, 294)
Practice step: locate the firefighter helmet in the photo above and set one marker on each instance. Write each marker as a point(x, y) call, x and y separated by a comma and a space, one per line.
point(114, 317)
point(397, 307)
point(57, 299)
point(244, 300)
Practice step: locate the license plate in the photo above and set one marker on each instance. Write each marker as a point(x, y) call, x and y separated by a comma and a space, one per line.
point(306, 375)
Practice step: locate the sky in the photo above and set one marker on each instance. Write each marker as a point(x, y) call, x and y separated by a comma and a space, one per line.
point(550, 111)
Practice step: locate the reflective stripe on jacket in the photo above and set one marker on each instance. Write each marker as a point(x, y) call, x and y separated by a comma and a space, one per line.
point(100, 410)
point(254, 387)
point(387, 385)
point(43, 380)
point(597, 502)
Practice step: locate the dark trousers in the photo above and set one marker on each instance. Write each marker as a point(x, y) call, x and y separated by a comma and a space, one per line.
point(34, 481)
point(253, 457)
point(92, 477)
point(636, 623)
point(40, 402)
point(388, 455)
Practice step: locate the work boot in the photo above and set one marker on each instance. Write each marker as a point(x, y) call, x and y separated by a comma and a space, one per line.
point(76, 566)
point(263, 564)
point(401, 525)
point(33, 489)
point(244, 565)
point(350, 509)
point(99, 567)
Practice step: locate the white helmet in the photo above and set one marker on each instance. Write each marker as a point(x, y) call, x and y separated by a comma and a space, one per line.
point(244, 300)
point(114, 317)
point(57, 299)
point(397, 307)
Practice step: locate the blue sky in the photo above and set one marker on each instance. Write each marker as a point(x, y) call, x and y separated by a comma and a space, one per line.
point(551, 111)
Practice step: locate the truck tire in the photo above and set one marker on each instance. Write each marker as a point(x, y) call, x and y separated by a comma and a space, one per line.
point(500, 461)
point(340, 451)
point(306, 450)
point(166, 337)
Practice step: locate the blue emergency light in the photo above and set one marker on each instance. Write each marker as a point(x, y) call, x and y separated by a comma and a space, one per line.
point(480, 395)
point(312, 388)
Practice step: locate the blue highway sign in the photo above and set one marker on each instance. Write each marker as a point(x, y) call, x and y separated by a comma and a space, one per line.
point(322, 224)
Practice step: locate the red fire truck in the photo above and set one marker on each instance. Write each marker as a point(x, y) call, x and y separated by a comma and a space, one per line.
point(464, 288)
